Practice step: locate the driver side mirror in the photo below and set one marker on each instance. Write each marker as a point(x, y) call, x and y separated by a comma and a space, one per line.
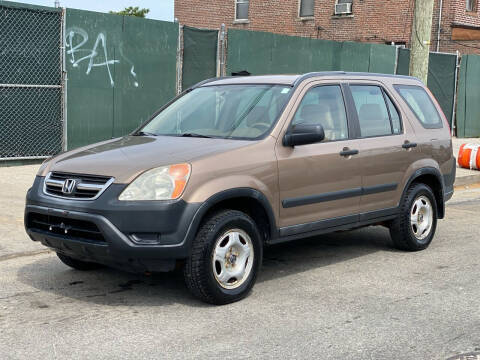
point(303, 134)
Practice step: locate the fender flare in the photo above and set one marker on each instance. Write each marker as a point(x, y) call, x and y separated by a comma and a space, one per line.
point(225, 195)
point(435, 172)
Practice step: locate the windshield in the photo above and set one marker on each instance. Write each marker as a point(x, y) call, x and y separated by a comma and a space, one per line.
point(226, 111)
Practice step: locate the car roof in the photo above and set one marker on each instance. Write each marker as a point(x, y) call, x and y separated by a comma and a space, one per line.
point(293, 80)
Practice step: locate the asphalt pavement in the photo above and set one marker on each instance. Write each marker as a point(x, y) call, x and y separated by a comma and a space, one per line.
point(347, 295)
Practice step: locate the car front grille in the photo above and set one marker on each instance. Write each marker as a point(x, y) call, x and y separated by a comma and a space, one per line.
point(68, 228)
point(76, 186)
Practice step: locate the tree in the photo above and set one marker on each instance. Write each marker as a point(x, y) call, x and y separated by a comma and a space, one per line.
point(132, 11)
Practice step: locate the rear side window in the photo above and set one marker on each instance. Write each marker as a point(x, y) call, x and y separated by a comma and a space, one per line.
point(422, 106)
point(372, 111)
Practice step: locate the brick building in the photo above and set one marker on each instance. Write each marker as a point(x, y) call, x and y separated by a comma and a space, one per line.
point(379, 21)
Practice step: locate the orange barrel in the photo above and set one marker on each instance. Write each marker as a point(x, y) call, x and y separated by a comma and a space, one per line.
point(469, 156)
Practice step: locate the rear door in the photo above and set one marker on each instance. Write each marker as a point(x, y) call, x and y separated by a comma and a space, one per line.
point(386, 145)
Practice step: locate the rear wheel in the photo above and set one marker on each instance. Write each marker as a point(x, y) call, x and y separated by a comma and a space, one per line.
point(415, 226)
point(226, 257)
point(78, 264)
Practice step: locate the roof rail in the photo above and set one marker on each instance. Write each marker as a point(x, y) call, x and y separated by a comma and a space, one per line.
point(327, 73)
point(206, 81)
point(309, 75)
point(316, 73)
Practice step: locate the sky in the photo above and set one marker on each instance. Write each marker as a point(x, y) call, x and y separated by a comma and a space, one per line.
point(159, 9)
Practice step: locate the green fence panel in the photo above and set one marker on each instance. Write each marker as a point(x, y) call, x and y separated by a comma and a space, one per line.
point(441, 81)
point(441, 77)
point(468, 104)
point(353, 57)
point(120, 70)
point(300, 55)
point(244, 46)
point(30, 81)
point(199, 55)
point(29, 37)
point(403, 62)
point(267, 53)
point(146, 73)
point(382, 59)
point(90, 94)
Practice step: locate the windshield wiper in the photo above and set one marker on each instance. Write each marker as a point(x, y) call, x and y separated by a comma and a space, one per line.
point(144, 133)
point(195, 135)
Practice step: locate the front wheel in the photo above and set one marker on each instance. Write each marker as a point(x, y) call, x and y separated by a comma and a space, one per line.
point(415, 226)
point(225, 259)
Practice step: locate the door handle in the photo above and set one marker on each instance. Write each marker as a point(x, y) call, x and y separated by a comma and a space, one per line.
point(348, 152)
point(409, 145)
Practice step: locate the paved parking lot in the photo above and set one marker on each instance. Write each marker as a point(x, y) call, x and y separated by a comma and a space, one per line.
point(347, 295)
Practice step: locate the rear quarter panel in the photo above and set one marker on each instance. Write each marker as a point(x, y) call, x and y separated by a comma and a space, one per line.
point(434, 148)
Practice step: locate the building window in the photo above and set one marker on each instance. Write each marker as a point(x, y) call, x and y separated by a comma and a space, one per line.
point(306, 8)
point(471, 5)
point(241, 9)
point(343, 7)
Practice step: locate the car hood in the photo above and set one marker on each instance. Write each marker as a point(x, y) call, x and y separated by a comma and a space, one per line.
point(126, 157)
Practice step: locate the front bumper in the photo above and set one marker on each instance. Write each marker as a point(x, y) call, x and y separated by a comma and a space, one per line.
point(136, 236)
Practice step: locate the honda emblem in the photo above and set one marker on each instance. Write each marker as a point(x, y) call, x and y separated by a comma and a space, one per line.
point(69, 186)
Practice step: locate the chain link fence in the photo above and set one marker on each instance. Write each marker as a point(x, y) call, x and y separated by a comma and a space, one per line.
point(31, 82)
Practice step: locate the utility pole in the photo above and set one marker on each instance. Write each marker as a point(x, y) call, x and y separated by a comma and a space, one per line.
point(420, 41)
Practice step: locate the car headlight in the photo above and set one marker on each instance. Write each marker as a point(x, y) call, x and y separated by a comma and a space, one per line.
point(162, 183)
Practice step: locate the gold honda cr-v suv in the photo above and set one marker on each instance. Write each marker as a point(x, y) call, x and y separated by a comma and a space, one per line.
point(234, 164)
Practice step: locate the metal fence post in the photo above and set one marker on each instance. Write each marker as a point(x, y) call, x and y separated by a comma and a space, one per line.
point(454, 113)
point(221, 52)
point(397, 51)
point(179, 59)
point(223, 55)
point(64, 81)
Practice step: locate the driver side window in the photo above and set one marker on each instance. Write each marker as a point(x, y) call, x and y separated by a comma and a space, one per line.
point(324, 105)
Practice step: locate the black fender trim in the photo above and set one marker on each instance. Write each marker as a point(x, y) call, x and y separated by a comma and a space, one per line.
point(440, 198)
point(449, 180)
point(226, 195)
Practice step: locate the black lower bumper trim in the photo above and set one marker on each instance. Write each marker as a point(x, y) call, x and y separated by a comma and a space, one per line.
point(100, 254)
point(114, 248)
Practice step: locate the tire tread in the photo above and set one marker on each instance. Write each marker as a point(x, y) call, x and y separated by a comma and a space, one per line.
point(400, 227)
point(195, 273)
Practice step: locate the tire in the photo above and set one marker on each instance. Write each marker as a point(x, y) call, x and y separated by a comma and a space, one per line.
point(218, 254)
point(78, 264)
point(414, 228)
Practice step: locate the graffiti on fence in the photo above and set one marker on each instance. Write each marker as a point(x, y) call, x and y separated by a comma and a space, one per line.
point(75, 40)
point(132, 66)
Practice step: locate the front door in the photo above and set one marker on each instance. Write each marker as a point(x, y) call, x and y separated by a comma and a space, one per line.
point(320, 184)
